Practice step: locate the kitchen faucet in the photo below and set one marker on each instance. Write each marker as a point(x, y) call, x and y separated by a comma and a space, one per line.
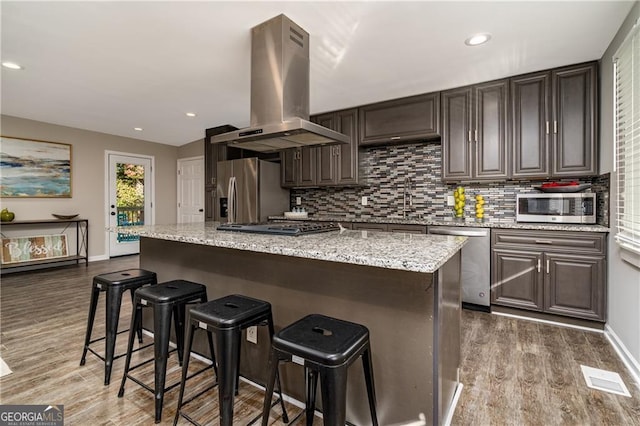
point(407, 194)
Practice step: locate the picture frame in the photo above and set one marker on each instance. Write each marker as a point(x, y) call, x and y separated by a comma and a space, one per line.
point(38, 247)
point(31, 168)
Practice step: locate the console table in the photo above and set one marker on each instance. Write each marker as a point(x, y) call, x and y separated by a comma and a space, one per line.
point(60, 226)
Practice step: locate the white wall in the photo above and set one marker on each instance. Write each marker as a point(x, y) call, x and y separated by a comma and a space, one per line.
point(88, 175)
point(624, 279)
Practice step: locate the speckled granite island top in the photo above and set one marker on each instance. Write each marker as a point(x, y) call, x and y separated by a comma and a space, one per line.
point(416, 253)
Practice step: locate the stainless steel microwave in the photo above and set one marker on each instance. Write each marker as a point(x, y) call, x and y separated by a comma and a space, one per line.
point(556, 207)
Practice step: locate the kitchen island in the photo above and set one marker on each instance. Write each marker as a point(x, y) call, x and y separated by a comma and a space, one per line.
point(405, 288)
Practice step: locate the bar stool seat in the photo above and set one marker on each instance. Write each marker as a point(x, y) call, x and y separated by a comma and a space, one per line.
point(226, 317)
point(166, 299)
point(114, 284)
point(326, 347)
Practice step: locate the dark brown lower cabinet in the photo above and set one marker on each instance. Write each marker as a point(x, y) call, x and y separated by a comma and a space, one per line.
point(517, 280)
point(562, 273)
point(407, 229)
point(363, 226)
point(573, 285)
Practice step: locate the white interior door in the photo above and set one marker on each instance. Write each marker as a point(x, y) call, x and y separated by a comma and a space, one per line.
point(130, 197)
point(191, 190)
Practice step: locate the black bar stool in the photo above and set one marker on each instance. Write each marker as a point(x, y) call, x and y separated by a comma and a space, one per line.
point(114, 284)
point(226, 317)
point(165, 299)
point(325, 346)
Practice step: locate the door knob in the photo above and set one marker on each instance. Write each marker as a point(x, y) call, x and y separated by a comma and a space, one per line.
point(113, 213)
point(200, 210)
point(113, 206)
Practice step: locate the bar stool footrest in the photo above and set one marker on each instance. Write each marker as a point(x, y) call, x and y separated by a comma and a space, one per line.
point(259, 416)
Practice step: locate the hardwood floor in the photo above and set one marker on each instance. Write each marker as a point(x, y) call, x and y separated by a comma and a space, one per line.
point(514, 372)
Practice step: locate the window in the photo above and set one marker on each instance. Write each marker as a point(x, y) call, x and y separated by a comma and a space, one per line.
point(627, 143)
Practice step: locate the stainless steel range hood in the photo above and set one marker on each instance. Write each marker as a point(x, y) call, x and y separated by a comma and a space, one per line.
point(280, 92)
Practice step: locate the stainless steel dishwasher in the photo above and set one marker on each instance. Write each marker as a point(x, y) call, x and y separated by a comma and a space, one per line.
point(475, 280)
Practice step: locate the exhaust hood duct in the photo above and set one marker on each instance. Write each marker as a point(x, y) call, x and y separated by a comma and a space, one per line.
point(280, 93)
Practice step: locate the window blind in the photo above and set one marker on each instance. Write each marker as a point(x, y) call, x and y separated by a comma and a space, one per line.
point(627, 140)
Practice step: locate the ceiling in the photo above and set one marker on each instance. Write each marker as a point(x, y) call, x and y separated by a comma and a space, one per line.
point(113, 66)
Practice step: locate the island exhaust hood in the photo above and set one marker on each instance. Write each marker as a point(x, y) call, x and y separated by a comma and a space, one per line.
point(280, 93)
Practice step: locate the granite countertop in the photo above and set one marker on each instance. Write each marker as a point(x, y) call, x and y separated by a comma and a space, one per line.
point(406, 252)
point(486, 223)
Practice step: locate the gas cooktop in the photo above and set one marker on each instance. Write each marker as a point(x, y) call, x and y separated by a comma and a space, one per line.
point(281, 228)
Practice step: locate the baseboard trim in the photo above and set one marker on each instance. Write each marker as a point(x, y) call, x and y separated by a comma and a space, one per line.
point(627, 359)
point(544, 321)
point(98, 258)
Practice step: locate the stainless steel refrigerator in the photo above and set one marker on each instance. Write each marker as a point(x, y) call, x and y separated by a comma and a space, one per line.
point(249, 191)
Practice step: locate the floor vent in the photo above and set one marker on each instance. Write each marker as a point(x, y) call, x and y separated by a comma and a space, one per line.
point(604, 380)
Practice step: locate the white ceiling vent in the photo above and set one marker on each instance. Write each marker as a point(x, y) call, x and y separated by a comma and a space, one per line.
point(604, 380)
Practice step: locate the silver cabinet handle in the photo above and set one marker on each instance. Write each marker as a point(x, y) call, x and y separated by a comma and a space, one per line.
point(476, 135)
point(547, 266)
point(469, 136)
point(394, 138)
point(547, 127)
point(555, 126)
point(544, 242)
point(539, 265)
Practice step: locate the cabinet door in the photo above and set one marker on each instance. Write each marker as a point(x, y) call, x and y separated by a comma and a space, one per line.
point(289, 167)
point(307, 166)
point(347, 155)
point(326, 155)
point(456, 134)
point(400, 120)
point(516, 279)
point(491, 134)
point(574, 285)
point(575, 134)
point(530, 99)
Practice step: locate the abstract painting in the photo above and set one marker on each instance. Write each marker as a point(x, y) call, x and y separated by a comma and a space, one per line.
point(32, 168)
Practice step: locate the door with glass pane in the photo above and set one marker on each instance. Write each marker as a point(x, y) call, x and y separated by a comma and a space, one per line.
point(130, 200)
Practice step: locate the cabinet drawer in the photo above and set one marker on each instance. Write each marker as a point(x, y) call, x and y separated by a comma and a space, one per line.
point(409, 229)
point(370, 226)
point(583, 242)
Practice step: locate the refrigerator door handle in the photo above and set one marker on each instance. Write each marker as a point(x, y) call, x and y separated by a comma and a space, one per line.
point(232, 193)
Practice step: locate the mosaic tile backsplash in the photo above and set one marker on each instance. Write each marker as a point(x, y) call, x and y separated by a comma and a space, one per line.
point(414, 171)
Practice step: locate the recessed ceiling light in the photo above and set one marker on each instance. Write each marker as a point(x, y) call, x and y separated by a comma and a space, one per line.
point(11, 65)
point(191, 114)
point(477, 39)
point(137, 129)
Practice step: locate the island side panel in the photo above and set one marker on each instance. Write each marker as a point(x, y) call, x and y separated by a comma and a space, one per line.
point(447, 337)
point(396, 306)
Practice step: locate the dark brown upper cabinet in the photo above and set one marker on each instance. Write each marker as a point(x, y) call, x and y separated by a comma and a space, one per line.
point(333, 165)
point(554, 122)
point(574, 144)
point(400, 120)
point(339, 164)
point(530, 103)
point(475, 132)
point(298, 167)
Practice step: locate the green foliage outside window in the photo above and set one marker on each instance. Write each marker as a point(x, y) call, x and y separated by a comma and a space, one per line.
point(130, 185)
